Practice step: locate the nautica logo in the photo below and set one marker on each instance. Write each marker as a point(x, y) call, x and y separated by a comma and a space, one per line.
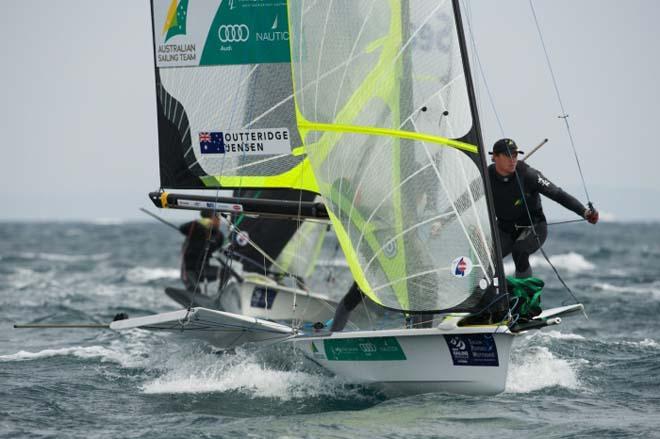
point(175, 23)
point(274, 35)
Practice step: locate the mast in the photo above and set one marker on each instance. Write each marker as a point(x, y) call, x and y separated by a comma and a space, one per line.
point(478, 140)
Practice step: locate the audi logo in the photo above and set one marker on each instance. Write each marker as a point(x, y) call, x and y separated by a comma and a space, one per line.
point(368, 347)
point(233, 33)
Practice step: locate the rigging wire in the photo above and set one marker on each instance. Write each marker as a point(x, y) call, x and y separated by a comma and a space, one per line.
point(207, 248)
point(564, 115)
point(481, 71)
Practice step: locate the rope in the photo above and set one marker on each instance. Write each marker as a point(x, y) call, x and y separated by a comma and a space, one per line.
point(553, 224)
point(558, 276)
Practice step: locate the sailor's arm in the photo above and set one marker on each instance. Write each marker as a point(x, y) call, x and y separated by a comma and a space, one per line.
point(185, 228)
point(557, 194)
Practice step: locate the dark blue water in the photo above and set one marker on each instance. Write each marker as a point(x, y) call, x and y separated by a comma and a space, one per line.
point(585, 378)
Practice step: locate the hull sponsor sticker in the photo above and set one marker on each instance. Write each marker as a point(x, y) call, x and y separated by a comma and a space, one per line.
point(263, 141)
point(364, 349)
point(472, 349)
point(262, 298)
point(222, 207)
point(316, 353)
point(461, 266)
point(242, 238)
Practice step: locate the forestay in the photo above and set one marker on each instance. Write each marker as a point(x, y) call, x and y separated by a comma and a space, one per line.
point(384, 110)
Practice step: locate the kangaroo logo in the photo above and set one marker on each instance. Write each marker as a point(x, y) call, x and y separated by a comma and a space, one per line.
point(175, 22)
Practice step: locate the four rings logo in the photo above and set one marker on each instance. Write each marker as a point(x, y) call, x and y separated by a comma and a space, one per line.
point(233, 33)
point(368, 347)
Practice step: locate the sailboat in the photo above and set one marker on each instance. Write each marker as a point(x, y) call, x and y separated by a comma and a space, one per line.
point(378, 105)
point(266, 285)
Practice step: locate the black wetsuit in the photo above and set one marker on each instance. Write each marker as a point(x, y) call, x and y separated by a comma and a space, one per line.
point(513, 220)
point(194, 250)
point(345, 306)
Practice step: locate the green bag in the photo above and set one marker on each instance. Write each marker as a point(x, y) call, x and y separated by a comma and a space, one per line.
point(528, 291)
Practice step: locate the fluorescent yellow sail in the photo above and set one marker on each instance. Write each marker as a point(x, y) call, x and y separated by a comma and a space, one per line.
point(372, 82)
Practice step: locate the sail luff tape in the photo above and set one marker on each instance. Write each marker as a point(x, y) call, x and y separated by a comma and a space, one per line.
point(163, 200)
point(358, 129)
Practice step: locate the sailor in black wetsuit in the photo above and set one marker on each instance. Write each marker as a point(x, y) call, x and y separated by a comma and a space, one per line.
point(195, 256)
point(517, 235)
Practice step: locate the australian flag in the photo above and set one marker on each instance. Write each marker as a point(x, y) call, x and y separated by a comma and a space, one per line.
point(461, 267)
point(211, 143)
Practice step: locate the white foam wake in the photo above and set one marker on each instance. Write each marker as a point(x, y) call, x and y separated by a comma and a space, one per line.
point(241, 372)
point(536, 368)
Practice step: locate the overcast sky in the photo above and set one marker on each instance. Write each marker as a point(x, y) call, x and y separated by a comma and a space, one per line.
point(79, 116)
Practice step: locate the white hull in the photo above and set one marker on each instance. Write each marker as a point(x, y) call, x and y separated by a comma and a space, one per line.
point(402, 362)
point(282, 303)
point(261, 297)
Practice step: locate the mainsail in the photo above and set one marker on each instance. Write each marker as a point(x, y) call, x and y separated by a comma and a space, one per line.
point(384, 109)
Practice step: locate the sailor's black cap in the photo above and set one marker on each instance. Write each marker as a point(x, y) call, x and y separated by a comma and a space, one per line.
point(506, 146)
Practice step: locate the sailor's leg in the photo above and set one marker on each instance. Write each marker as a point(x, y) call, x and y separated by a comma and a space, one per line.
point(189, 278)
point(210, 273)
point(344, 308)
point(526, 244)
point(506, 242)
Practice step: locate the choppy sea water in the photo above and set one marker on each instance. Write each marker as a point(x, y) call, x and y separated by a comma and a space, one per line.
point(585, 378)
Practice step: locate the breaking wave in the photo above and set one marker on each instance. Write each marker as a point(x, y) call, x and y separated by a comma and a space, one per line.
point(556, 335)
point(56, 257)
point(646, 288)
point(572, 262)
point(144, 274)
point(85, 352)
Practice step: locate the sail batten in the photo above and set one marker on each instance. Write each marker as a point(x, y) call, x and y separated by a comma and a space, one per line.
point(387, 132)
